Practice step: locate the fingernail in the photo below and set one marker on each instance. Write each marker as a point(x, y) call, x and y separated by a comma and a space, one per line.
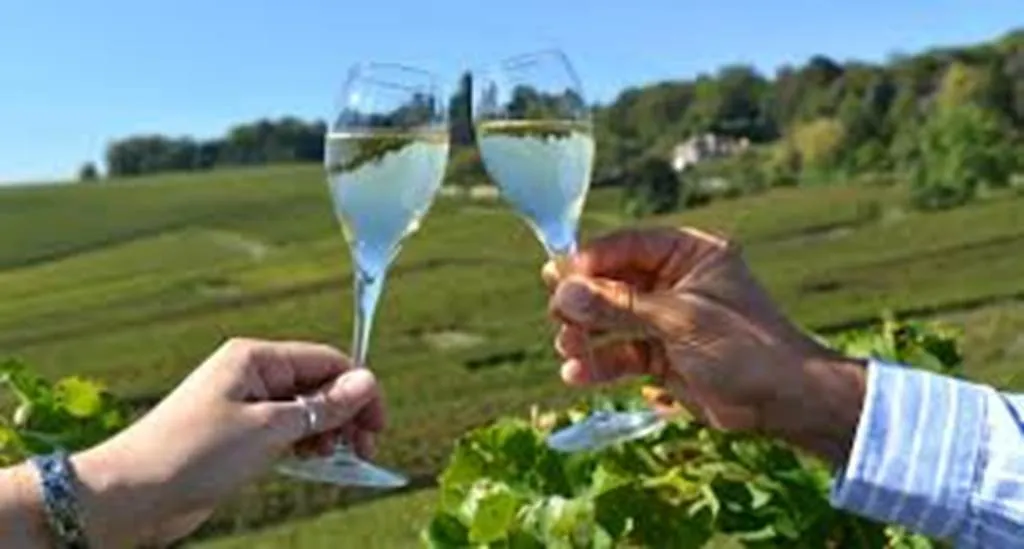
point(576, 300)
point(353, 387)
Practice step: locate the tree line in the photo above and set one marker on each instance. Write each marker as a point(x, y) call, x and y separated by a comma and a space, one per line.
point(261, 142)
point(265, 141)
point(948, 121)
point(947, 117)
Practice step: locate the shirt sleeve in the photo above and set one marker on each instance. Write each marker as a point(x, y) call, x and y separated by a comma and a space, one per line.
point(941, 456)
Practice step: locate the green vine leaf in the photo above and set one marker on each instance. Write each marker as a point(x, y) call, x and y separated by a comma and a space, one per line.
point(490, 509)
point(681, 487)
point(79, 397)
point(445, 532)
point(72, 413)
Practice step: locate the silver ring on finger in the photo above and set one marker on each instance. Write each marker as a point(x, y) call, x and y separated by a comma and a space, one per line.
point(312, 415)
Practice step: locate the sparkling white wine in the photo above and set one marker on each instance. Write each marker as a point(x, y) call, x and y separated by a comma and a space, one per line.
point(382, 184)
point(543, 168)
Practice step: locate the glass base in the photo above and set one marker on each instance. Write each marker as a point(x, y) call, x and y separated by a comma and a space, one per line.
point(603, 429)
point(343, 468)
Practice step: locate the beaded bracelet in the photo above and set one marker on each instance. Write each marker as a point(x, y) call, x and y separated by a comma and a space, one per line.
point(57, 480)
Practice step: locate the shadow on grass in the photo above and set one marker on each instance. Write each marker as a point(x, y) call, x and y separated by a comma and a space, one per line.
point(225, 524)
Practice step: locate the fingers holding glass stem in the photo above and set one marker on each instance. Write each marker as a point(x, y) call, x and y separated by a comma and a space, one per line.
point(337, 441)
point(338, 455)
point(600, 335)
point(318, 440)
point(602, 357)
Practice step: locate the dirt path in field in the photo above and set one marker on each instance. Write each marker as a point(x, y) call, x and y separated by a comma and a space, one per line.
point(452, 339)
point(239, 243)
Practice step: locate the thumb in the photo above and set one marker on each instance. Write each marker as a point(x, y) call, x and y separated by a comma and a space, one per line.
point(333, 406)
point(602, 304)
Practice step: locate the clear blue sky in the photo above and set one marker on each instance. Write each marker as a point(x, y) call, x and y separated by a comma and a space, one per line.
point(76, 74)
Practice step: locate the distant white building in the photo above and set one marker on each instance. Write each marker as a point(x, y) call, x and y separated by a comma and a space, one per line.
point(704, 147)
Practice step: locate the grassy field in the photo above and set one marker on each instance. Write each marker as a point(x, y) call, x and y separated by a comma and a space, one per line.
point(135, 282)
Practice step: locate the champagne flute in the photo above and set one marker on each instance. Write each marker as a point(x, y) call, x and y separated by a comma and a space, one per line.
point(385, 155)
point(535, 135)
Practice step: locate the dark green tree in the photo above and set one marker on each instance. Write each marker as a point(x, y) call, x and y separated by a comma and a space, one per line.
point(460, 118)
point(652, 187)
point(961, 148)
point(88, 172)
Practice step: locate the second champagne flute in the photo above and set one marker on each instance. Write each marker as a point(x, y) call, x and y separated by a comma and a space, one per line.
point(385, 156)
point(535, 135)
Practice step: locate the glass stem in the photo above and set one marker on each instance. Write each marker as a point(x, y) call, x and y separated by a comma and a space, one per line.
point(562, 258)
point(367, 293)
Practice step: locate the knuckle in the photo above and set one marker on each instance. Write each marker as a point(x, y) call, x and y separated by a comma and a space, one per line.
point(244, 352)
point(720, 245)
point(239, 347)
point(713, 237)
point(727, 244)
point(270, 422)
point(621, 295)
point(266, 418)
point(732, 247)
point(332, 355)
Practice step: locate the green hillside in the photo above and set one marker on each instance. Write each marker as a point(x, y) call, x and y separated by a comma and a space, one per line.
point(135, 282)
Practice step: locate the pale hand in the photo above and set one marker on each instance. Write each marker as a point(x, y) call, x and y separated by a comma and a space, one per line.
point(224, 425)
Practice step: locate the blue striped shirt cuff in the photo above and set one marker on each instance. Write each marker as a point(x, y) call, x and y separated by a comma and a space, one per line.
point(915, 454)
